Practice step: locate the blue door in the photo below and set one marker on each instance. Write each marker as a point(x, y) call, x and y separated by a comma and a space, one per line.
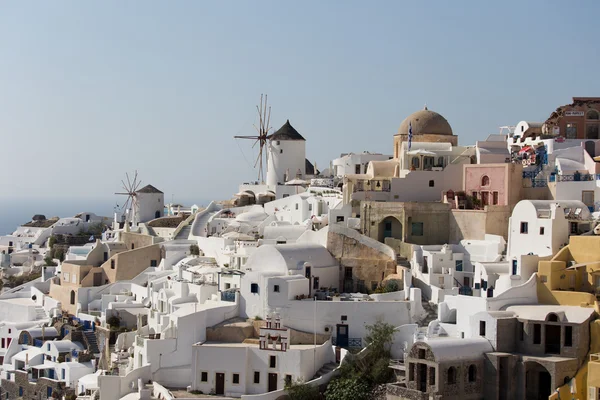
point(48, 391)
point(342, 335)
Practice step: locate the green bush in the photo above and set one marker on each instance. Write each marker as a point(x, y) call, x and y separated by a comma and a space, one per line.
point(352, 387)
point(114, 322)
point(194, 250)
point(49, 262)
point(51, 241)
point(300, 391)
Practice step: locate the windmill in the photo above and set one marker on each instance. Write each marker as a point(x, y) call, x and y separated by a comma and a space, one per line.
point(130, 188)
point(263, 128)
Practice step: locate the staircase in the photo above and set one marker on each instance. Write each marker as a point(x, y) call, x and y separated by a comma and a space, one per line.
point(200, 223)
point(92, 343)
point(184, 233)
point(325, 369)
point(402, 261)
point(431, 313)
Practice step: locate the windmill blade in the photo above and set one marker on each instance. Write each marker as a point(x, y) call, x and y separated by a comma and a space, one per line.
point(126, 205)
point(257, 140)
point(128, 181)
point(245, 137)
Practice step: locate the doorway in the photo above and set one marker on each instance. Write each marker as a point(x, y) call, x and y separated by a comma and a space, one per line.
point(342, 335)
point(538, 382)
point(553, 339)
point(422, 376)
point(220, 383)
point(307, 271)
point(272, 382)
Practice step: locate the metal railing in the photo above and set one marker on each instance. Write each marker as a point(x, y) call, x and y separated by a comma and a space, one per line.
point(355, 343)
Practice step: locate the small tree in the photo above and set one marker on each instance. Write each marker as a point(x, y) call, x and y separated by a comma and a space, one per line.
point(114, 322)
point(194, 250)
point(59, 254)
point(51, 241)
point(379, 336)
point(49, 262)
point(352, 387)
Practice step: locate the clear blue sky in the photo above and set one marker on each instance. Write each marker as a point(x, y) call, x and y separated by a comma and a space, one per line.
point(89, 90)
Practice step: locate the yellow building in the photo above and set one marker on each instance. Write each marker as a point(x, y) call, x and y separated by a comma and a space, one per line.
point(572, 277)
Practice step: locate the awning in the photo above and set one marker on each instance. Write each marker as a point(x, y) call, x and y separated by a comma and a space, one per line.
point(525, 149)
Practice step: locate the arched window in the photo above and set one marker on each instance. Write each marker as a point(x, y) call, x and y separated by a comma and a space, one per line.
point(485, 180)
point(72, 297)
point(593, 114)
point(451, 376)
point(472, 373)
point(552, 317)
point(415, 162)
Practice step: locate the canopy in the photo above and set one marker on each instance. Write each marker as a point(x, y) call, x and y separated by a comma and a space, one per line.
point(297, 182)
point(421, 152)
point(237, 236)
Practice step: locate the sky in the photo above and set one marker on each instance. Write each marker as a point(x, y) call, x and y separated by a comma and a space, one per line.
point(91, 90)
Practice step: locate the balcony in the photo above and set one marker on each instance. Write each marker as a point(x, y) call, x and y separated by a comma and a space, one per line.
point(577, 177)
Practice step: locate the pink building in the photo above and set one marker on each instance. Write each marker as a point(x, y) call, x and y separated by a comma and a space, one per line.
point(493, 184)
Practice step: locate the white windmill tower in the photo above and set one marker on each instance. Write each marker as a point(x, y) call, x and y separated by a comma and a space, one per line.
point(129, 210)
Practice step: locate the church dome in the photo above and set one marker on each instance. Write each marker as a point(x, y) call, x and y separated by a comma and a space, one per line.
point(425, 122)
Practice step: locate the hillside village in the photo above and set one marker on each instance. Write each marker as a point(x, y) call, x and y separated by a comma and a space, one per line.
point(484, 259)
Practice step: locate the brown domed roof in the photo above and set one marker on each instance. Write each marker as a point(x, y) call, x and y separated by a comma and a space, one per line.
point(425, 122)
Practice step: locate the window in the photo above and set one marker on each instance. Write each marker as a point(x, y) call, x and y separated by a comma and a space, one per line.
point(66, 276)
point(315, 282)
point(592, 114)
point(339, 218)
point(72, 297)
point(591, 131)
point(541, 230)
point(485, 180)
point(227, 286)
point(357, 169)
point(571, 131)
point(432, 375)
point(74, 278)
point(272, 362)
point(153, 263)
point(276, 288)
point(48, 347)
point(296, 206)
point(537, 333)
point(344, 318)
point(417, 229)
point(568, 336)
point(309, 206)
point(521, 328)
point(204, 376)
point(415, 162)
point(63, 373)
point(451, 376)
point(20, 391)
point(254, 288)
point(573, 228)
point(236, 379)
point(286, 195)
point(281, 151)
point(459, 265)
point(112, 264)
point(481, 328)
point(132, 246)
point(256, 377)
point(422, 354)
point(524, 227)
point(411, 372)
point(472, 373)
point(431, 183)
point(495, 198)
point(288, 380)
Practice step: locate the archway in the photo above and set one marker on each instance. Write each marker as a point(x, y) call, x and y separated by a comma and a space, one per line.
point(72, 297)
point(390, 227)
point(538, 381)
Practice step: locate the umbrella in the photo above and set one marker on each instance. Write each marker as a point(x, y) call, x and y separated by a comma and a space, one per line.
point(525, 149)
point(266, 194)
point(296, 182)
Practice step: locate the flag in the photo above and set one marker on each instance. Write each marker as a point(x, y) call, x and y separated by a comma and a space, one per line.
point(409, 135)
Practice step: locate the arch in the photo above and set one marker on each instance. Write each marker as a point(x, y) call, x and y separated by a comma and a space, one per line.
point(472, 373)
point(538, 381)
point(451, 376)
point(552, 317)
point(485, 180)
point(390, 227)
point(592, 114)
point(72, 297)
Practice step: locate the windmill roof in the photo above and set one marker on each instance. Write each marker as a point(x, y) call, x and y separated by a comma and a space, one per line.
point(148, 189)
point(287, 132)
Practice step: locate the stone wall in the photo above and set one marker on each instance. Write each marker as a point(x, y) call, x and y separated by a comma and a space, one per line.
point(475, 224)
point(368, 264)
point(32, 390)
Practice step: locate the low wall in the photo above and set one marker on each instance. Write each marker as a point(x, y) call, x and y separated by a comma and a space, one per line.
point(114, 387)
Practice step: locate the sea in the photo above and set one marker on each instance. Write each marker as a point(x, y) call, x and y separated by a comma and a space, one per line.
point(16, 212)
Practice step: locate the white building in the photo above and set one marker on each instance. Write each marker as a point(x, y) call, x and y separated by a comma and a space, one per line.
point(352, 164)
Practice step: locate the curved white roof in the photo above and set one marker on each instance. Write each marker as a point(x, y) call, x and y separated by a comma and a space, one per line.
point(37, 332)
point(66, 345)
point(284, 257)
point(252, 216)
point(459, 349)
point(543, 207)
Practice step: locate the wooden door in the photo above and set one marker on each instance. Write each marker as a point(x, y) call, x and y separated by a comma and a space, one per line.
point(220, 383)
point(272, 382)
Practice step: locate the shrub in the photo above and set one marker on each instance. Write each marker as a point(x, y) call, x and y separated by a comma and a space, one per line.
point(50, 262)
point(59, 254)
point(51, 241)
point(194, 250)
point(343, 388)
point(114, 322)
point(300, 391)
